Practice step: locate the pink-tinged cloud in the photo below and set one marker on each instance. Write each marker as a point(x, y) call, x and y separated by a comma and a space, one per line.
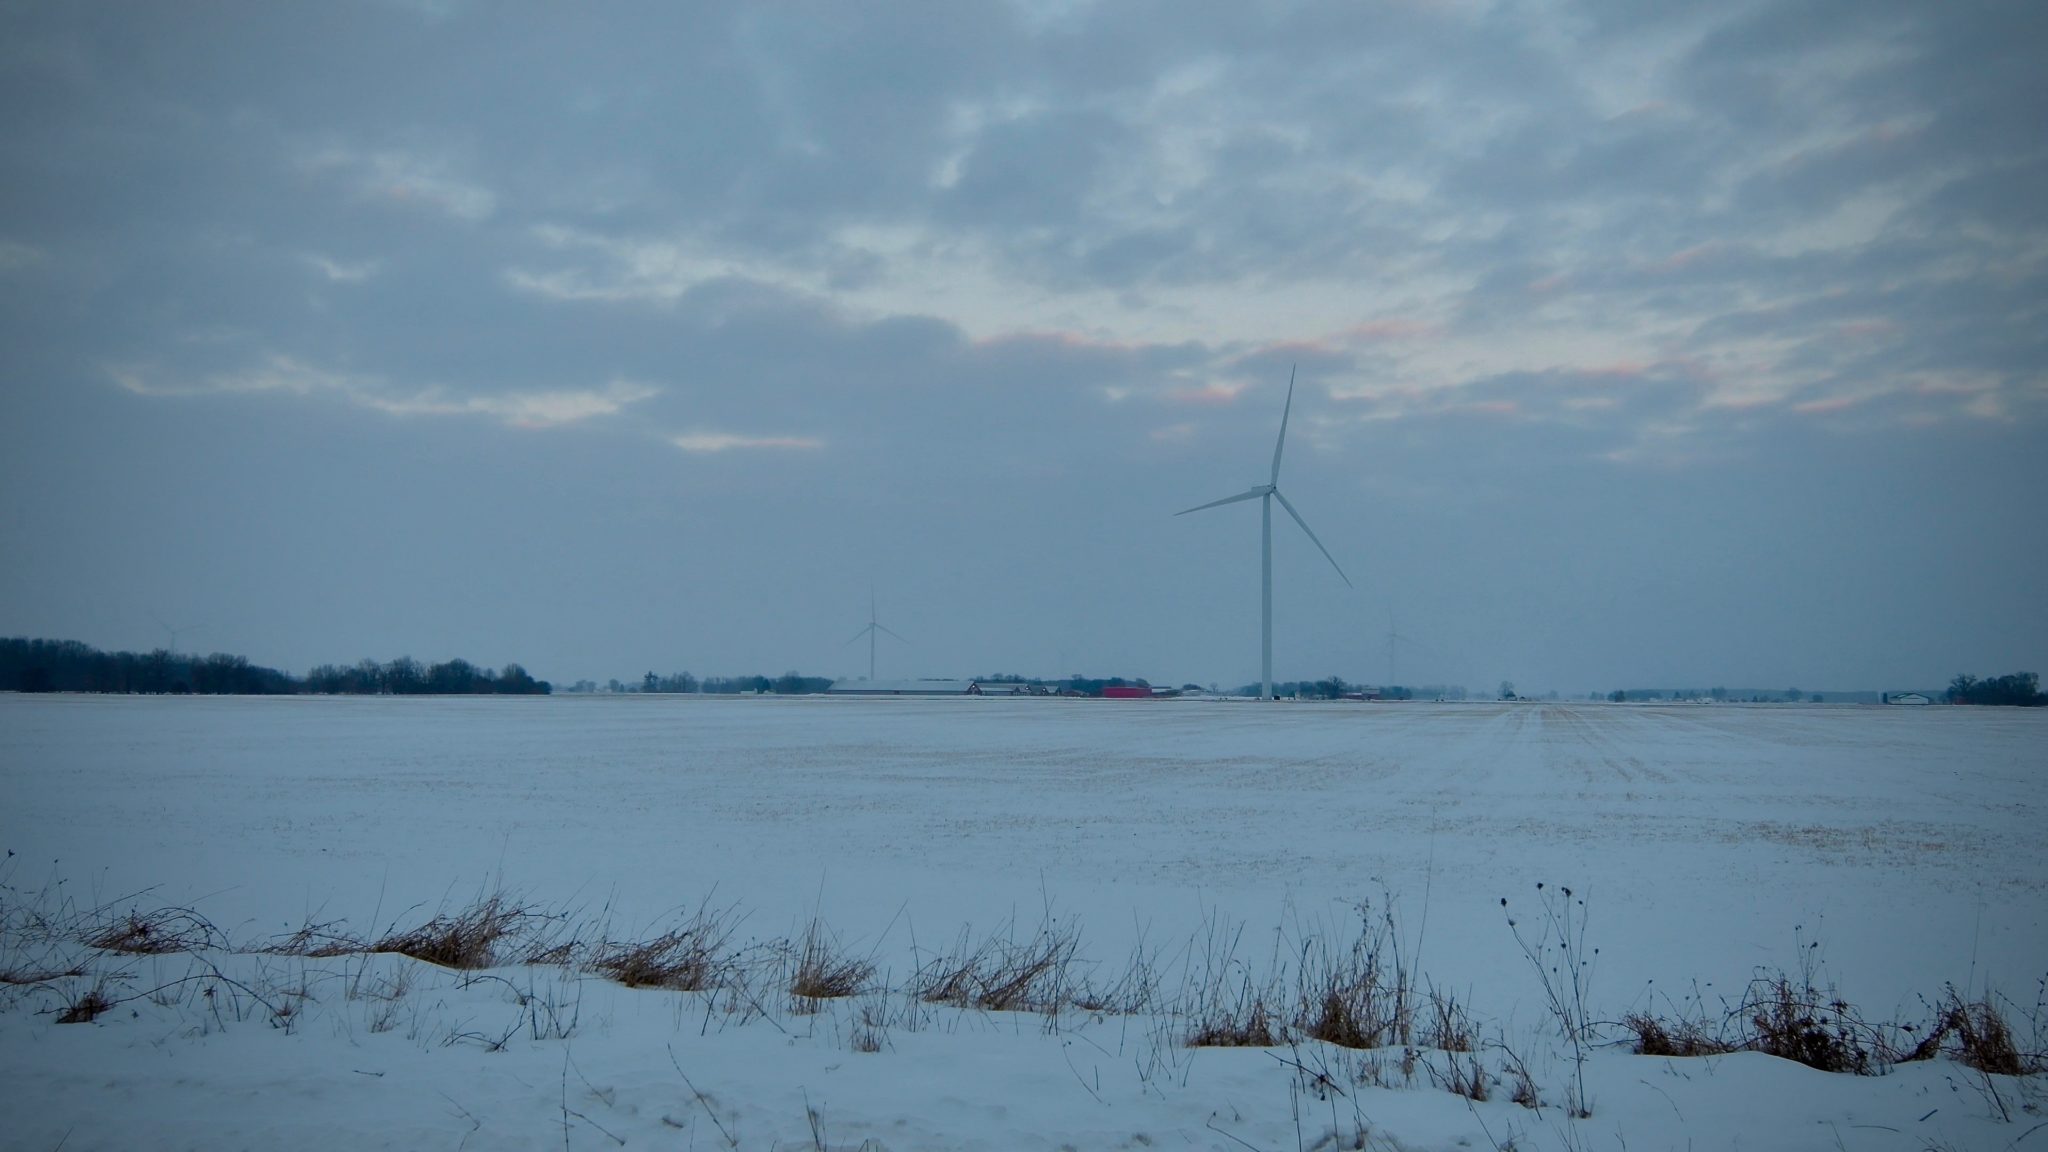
point(1827, 404)
point(1489, 408)
point(1056, 338)
point(1209, 395)
point(1891, 132)
point(703, 442)
point(1174, 433)
point(1618, 370)
point(1392, 328)
point(1739, 401)
point(1548, 284)
point(1688, 256)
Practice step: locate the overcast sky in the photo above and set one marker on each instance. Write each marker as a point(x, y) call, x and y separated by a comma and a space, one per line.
point(1637, 343)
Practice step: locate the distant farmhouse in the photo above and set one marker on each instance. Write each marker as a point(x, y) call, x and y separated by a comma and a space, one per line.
point(1906, 698)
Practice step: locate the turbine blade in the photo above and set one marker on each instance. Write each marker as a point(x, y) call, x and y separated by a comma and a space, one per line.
point(859, 634)
point(1282, 441)
point(1254, 494)
point(885, 631)
point(1312, 537)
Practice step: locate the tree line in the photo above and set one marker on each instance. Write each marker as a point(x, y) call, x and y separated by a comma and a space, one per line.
point(2021, 688)
point(70, 666)
point(787, 684)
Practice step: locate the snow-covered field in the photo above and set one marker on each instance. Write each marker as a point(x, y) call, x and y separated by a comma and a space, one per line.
point(1899, 850)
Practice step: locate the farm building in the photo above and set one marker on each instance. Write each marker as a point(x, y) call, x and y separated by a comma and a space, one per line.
point(1906, 698)
point(906, 688)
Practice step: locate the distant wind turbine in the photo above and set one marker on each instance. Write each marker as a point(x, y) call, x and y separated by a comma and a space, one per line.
point(173, 633)
point(874, 626)
point(1395, 638)
point(1267, 493)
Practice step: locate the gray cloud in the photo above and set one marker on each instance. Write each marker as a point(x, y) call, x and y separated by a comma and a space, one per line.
point(936, 268)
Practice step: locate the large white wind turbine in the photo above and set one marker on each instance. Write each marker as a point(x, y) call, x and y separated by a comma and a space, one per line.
point(1267, 493)
point(873, 627)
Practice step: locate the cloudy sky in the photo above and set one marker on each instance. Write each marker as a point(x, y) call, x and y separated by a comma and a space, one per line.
point(1637, 343)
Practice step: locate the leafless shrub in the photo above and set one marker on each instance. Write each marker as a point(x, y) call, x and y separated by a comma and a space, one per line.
point(1985, 1039)
point(1793, 1020)
point(1556, 950)
point(1982, 1037)
point(320, 940)
point(154, 933)
point(1656, 1036)
point(466, 939)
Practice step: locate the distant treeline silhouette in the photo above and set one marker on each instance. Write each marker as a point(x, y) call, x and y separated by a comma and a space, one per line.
point(2021, 688)
point(798, 684)
point(787, 684)
point(70, 666)
point(1336, 688)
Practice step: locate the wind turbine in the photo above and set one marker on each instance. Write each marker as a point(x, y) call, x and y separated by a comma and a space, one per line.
point(173, 633)
point(1267, 493)
point(873, 627)
point(1394, 638)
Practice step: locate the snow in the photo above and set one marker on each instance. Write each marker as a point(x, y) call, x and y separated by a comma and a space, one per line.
point(1705, 841)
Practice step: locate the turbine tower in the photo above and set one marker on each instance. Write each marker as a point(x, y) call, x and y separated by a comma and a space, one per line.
point(873, 627)
point(1267, 493)
point(1394, 638)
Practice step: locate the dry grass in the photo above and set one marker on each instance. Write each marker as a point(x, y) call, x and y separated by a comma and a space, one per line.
point(1448, 1026)
point(1517, 1071)
point(1134, 992)
point(823, 972)
point(155, 933)
point(1795, 1021)
point(1360, 997)
point(1352, 992)
point(87, 1006)
point(1659, 1037)
point(1245, 1021)
point(318, 941)
point(1226, 1006)
point(1977, 1034)
point(694, 957)
point(1003, 974)
point(22, 976)
point(1461, 1076)
point(467, 939)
